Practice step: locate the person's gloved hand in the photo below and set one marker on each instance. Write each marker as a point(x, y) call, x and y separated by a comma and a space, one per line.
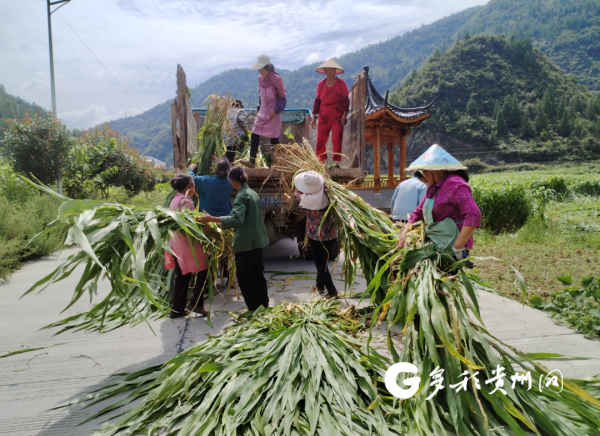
point(458, 253)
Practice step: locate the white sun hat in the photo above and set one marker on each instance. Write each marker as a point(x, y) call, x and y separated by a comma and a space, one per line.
point(330, 64)
point(311, 184)
point(262, 61)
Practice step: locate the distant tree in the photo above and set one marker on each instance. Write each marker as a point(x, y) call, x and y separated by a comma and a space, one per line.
point(472, 108)
point(38, 146)
point(527, 129)
point(442, 87)
point(561, 109)
point(467, 36)
point(493, 138)
point(512, 112)
point(548, 105)
point(496, 109)
point(501, 123)
point(564, 127)
point(541, 122)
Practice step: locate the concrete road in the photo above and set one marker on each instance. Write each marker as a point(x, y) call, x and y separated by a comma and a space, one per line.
point(34, 382)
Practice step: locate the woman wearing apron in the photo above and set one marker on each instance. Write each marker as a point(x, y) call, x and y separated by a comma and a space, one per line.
point(448, 209)
point(272, 104)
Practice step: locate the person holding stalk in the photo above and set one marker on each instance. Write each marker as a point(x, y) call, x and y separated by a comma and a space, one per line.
point(249, 238)
point(190, 258)
point(235, 129)
point(331, 108)
point(321, 227)
point(448, 210)
point(272, 103)
point(407, 196)
point(215, 195)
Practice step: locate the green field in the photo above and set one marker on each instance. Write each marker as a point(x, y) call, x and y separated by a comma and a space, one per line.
point(565, 241)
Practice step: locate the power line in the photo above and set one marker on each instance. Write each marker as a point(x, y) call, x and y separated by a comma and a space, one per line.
point(111, 74)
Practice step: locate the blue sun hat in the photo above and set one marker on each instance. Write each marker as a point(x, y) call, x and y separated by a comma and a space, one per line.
point(436, 158)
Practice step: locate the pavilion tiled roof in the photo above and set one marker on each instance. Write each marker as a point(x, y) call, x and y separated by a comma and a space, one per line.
point(376, 102)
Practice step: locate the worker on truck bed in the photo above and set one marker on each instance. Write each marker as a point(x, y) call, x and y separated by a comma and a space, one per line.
point(321, 229)
point(272, 103)
point(235, 129)
point(331, 106)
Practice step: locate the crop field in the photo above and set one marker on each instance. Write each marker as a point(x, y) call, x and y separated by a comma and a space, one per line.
point(545, 223)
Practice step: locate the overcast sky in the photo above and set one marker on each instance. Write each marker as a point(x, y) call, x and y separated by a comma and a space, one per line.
point(141, 41)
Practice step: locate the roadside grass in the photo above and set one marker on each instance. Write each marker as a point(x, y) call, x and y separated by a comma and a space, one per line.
point(567, 243)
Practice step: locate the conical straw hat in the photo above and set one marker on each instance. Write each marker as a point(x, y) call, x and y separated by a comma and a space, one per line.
point(330, 64)
point(436, 158)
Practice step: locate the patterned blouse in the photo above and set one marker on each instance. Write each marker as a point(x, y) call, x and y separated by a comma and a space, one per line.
point(329, 230)
point(235, 126)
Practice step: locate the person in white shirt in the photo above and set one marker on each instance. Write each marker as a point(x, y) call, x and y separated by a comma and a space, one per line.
point(407, 196)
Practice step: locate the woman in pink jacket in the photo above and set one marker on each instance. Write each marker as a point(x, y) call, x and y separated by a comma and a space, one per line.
point(190, 258)
point(272, 103)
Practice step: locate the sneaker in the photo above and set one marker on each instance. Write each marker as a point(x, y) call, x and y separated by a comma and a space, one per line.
point(174, 314)
point(247, 164)
point(330, 296)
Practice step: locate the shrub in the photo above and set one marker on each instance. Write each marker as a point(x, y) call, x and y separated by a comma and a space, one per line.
point(21, 221)
point(558, 185)
point(12, 187)
point(587, 187)
point(504, 208)
point(37, 146)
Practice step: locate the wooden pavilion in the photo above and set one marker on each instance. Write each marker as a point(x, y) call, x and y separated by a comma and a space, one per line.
point(390, 125)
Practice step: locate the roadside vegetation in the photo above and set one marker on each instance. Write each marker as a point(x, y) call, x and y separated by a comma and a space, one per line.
point(96, 164)
point(560, 236)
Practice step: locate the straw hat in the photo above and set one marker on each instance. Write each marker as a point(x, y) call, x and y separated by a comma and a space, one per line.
point(262, 61)
point(436, 158)
point(330, 64)
point(311, 184)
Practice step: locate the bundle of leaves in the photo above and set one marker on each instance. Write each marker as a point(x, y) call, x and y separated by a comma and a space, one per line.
point(292, 369)
point(366, 234)
point(211, 134)
point(429, 298)
point(577, 306)
point(125, 245)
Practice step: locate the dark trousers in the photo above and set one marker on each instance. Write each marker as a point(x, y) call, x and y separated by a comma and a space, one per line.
point(250, 273)
point(254, 141)
point(321, 254)
point(182, 286)
point(232, 152)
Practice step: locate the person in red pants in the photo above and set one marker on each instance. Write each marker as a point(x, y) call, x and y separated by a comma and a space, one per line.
point(331, 107)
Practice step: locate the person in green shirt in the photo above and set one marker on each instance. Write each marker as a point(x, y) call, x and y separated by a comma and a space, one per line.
point(249, 238)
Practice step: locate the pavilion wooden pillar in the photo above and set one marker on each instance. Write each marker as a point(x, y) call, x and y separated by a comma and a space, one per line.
point(377, 159)
point(404, 132)
point(390, 149)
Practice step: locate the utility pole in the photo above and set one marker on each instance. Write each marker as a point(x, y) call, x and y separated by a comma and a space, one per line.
point(49, 3)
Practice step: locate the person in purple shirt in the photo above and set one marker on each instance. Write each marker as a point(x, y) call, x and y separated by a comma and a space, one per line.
point(448, 196)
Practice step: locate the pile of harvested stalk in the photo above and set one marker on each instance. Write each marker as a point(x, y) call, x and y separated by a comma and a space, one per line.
point(293, 369)
point(125, 245)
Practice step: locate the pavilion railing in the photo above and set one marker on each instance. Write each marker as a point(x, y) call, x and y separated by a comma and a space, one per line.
point(381, 183)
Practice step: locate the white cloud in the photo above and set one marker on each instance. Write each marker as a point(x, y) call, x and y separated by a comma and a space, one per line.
point(141, 42)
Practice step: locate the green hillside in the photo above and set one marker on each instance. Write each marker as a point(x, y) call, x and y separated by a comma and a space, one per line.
point(11, 106)
point(390, 62)
point(567, 31)
point(502, 98)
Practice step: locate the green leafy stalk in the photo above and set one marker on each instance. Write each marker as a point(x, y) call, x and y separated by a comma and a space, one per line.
point(292, 369)
point(126, 245)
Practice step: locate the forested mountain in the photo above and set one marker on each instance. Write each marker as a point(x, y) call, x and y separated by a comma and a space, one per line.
point(11, 106)
point(501, 98)
point(567, 31)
